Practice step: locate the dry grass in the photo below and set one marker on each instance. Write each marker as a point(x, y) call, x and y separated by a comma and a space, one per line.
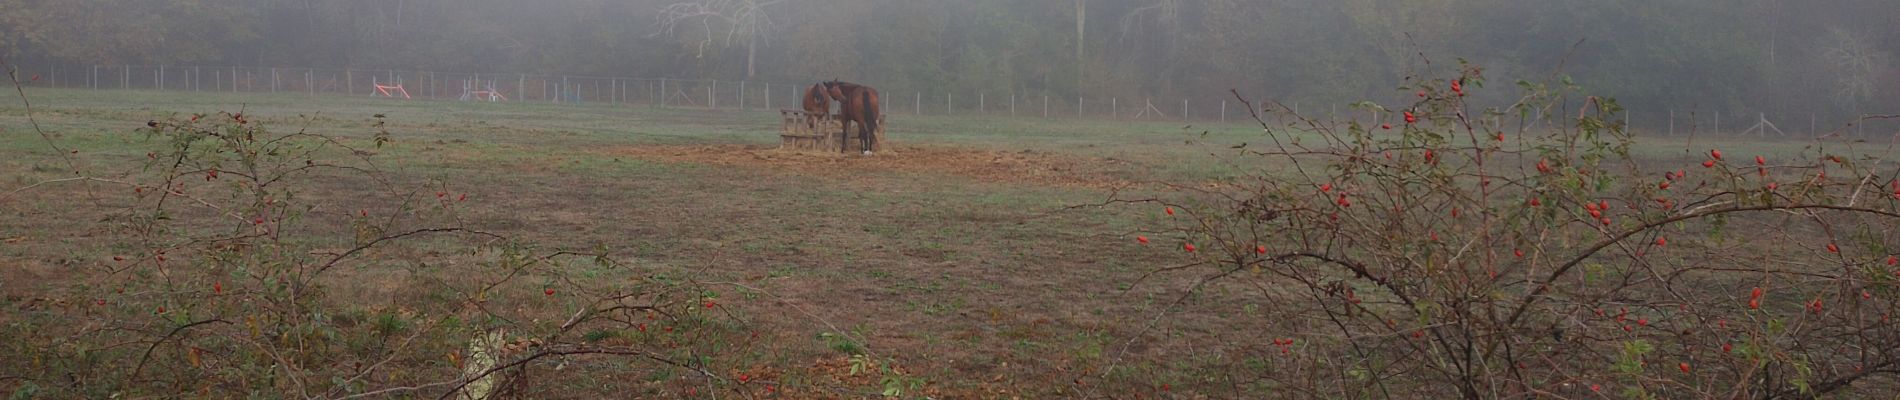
point(952, 258)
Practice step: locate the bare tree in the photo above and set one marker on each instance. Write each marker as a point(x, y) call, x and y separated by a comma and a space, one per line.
point(1081, 20)
point(1856, 62)
point(742, 20)
point(1166, 16)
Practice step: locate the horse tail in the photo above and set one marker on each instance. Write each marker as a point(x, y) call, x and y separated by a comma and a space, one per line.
point(870, 114)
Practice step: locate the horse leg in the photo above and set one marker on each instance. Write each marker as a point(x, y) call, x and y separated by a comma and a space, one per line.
point(870, 133)
point(844, 136)
point(864, 138)
point(871, 122)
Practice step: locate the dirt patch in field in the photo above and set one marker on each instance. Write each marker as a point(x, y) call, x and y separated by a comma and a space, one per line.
point(1026, 166)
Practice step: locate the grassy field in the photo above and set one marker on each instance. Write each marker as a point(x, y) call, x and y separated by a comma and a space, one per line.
point(953, 255)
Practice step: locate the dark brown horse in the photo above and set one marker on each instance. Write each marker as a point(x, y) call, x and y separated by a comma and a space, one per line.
point(856, 103)
point(817, 104)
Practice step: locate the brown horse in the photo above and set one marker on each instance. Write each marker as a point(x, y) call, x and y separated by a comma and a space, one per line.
point(856, 103)
point(817, 104)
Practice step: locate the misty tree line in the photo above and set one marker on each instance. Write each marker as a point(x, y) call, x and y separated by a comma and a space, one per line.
point(1715, 55)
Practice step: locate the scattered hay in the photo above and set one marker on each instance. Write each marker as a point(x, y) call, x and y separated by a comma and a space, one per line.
point(1025, 166)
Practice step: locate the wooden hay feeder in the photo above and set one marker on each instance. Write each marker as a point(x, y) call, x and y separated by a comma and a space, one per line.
point(795, 135)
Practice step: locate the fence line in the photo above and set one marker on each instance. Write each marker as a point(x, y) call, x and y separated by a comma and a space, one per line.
point(717, 94)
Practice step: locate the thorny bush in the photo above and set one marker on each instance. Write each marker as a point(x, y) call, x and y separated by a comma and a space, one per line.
point(237, 268)
point(1444, 256)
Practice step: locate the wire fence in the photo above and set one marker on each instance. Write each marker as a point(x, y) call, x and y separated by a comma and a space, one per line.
point(744, 95)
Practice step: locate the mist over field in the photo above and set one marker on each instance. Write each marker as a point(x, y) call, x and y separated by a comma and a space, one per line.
point(1749, 56)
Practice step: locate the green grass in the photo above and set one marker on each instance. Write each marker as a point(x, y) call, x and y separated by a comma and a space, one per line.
point(941, 269)
point(898, 252)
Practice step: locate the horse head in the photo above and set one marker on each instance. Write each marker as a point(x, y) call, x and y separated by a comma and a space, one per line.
point(835, 90)
point(818, 92)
